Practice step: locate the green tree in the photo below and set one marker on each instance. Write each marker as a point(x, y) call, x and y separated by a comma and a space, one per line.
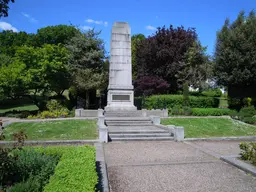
point(4, 7)
point(135, 40)
point(55, 34)
point(86, 62)
point(10, 41)
point(195, 68)
point(235, 61)
point(36, 72)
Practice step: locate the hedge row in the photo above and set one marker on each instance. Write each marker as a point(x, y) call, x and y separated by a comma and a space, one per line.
point(210, 112)
point(159, 101)
point(76, 170)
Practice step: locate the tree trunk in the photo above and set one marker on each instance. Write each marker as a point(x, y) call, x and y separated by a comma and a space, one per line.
point(87, 99)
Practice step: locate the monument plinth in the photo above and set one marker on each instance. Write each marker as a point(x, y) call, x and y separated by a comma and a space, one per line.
point(120, 88)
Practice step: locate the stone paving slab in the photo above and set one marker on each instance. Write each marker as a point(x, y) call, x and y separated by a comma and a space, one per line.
point(198, 177)
point(152, 151)
point(225, 148)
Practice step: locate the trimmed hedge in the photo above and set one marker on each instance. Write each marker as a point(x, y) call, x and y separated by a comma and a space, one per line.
point(76, 170)
point(159, 101)
point(210, 112)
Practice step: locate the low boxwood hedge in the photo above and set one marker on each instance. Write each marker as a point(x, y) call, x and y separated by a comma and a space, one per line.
point(169, 101)
point(210, 112)
point(76, 170)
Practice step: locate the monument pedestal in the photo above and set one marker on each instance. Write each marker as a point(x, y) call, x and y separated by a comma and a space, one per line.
point(120, 100)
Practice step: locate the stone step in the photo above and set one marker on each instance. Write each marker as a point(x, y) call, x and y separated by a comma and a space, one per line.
point(127, 119)
point(142, 138)
point(129, 123)
point(132, 135)
point(127, 131)
point(123, 114)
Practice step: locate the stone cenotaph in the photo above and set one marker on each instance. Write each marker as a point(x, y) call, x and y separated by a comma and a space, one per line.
point(120, 88)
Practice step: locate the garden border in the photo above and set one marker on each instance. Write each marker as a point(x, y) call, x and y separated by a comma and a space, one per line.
point(233, 160)
point(101, 167)
point(52, 142)
point(240, 138)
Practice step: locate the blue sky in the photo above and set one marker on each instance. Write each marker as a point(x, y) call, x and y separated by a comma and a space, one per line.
point(207, 16)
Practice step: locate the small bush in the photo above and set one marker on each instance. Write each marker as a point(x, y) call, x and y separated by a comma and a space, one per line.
point(20, 137)
point(246, 114)
point(31, 162)
point(34, 169)
point(179, 110)
point(210, 112)
point(157, 101)
point(248, 152)
point(55, 110)
point(8, 169)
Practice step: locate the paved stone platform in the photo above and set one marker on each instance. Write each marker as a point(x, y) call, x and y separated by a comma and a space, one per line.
point(221, 147)
point(171, 166)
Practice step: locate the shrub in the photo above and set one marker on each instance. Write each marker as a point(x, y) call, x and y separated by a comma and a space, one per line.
point(76, 170)
point(210, 112)
point(31, 185)
point(212, 93)
point(179, 110)
point(157, 101)
point(246, 114)
point(248, 152)
point(34, 169)
point(20, 137)
point(8, 169)
point(53, 105)
point(32, 162)
point(55, 110)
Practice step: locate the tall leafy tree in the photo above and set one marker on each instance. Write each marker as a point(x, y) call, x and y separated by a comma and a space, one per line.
point(86, 62)
point(55, 34)
point(35, 72)
point(135, 40)
point(10, 41)
point(235, 56)
point(162, 54)
point(195, 68)
point(4, 7)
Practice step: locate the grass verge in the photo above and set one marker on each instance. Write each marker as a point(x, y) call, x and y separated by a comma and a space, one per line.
point(211, 127)
point(54, 130)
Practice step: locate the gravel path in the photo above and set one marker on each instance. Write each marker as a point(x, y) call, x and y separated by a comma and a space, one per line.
point(173, 166)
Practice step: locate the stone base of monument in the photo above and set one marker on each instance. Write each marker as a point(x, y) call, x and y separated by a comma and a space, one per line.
point(120, 100)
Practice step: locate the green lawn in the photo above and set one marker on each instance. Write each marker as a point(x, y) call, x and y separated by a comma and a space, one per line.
point(54, 130)
point(20, 108)
point(211, 127)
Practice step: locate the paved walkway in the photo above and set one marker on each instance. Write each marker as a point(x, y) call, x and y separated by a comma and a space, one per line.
point(171, 166)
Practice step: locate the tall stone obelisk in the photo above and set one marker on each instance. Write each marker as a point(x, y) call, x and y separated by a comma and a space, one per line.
point(120, 88)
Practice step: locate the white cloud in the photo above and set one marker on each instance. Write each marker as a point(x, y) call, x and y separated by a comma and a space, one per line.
point(30, 18)
point(7, 26)
point(151, 28)
point(86, 27)
point(105, 23)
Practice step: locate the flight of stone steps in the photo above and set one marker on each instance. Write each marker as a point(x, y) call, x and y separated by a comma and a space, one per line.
point(131, 126)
